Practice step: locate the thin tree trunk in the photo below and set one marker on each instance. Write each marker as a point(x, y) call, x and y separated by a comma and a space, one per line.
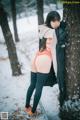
point(9, 42)
point(40, 11)
point(13, 10)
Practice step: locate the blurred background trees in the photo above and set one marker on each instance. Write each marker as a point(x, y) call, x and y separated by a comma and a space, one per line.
point(40, 11)
point(9, 42)
point(13, 11)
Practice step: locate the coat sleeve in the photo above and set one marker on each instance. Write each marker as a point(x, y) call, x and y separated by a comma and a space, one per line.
point(54, 52)
point(54, 60)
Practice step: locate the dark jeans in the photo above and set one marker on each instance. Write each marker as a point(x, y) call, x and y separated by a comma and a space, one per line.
point(37, 82)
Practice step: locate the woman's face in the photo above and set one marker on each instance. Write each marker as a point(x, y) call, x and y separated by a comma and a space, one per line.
point(55, 24)
point(49, 42)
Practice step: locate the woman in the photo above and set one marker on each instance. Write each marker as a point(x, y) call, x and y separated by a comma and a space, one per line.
point(53, 22)
point(41, 64)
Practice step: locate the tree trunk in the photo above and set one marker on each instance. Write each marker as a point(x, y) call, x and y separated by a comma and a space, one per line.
point(71, 109)
point(40, 11)
point(9, 42)
point(72, 60)
point(13, 10)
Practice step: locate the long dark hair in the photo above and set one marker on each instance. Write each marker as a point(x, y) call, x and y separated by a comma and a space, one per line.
point(42, 44)
point(52, 16)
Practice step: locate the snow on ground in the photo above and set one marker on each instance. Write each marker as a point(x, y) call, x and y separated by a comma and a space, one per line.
point(13, 89)
point(50, 101)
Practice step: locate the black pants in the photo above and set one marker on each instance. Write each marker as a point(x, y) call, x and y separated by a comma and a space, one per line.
point(37, 82)
point(60, 73)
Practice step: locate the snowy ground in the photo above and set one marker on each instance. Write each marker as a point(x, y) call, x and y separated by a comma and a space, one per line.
point(13, 89)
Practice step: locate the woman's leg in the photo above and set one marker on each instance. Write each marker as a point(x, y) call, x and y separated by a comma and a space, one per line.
point(41, 79)
point(32, 84)
point(31, 89)
point(42, 75)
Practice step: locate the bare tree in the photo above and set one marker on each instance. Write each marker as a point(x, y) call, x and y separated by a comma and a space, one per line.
point(9, 42)
point(13, 10)
point(40, 11)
